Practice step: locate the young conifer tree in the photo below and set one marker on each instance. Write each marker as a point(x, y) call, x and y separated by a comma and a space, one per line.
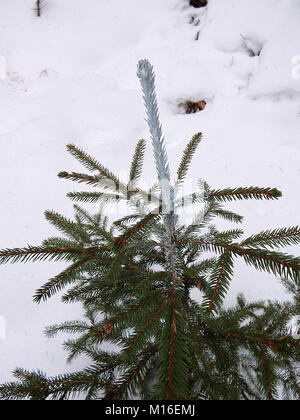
point(134, 278)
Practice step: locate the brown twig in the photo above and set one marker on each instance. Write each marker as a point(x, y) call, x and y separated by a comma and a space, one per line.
point(38, 8)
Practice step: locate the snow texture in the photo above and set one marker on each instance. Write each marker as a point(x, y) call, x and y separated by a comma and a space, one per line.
point(71, 77)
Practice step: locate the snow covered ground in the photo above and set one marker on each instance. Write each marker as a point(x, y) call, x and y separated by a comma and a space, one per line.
point(72, 78)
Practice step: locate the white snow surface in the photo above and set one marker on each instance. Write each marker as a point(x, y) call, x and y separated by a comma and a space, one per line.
point(72, 78)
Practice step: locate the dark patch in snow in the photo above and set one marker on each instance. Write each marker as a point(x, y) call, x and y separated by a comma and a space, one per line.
point(194, 107)
point(198, 3)
point(252, 46)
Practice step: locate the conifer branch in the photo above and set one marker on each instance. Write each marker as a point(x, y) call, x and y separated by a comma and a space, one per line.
point(92, 164)
point(124, 221)
point(227, 236)
point(81, 178)
point(33, 254)
point(274, 343)
point(94, 197)
point(245, 194)
point(129, 382)
point(66, 226)
point(269, 385)
point(219, 282)
point(36, 385)
point(274, 238)
point(173, 379)
point(137, 162)
point(115, 267)
point(85, 216)
point(170, 386)
point(128, 311)
point(282, 265)
point(188, 200)
point(147, 78)
point(151, 319)
point(138, 229)
point(187, 157)
point(75, 327)
point(229, 215)
point(60, 281)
